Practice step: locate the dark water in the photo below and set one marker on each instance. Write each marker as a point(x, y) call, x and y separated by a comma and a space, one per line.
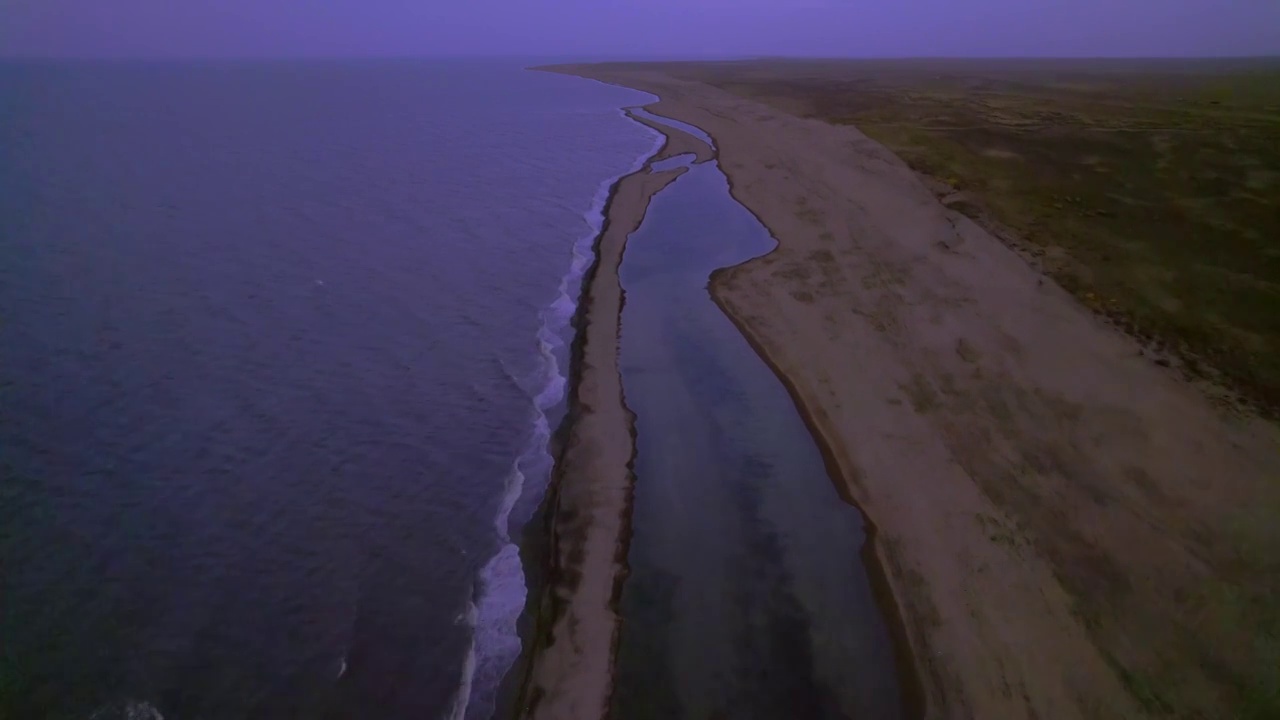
point(747, 597)
point(279, 347)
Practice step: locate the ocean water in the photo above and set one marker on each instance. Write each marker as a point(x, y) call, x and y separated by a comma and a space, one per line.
point(280, 347)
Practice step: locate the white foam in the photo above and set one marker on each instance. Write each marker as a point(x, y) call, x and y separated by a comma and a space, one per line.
point(496, 641)
point(514, 484)
point(553, 392)
point(463, 695)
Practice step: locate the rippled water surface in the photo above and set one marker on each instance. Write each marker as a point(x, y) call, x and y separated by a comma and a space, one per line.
point(279, 347)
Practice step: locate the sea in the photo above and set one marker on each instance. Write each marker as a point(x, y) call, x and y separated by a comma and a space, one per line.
point(281, 347)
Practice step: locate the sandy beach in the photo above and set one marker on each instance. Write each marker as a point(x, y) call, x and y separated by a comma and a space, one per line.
point(1037, 487)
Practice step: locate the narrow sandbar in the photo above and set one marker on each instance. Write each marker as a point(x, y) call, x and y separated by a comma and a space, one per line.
point(570, 670)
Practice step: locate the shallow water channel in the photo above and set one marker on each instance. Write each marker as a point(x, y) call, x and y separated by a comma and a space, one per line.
point(747, 596)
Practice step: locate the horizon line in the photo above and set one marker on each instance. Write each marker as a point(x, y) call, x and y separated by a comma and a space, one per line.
point(593, 57)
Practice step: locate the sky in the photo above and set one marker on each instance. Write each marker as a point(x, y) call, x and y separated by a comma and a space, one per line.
point(637, 28)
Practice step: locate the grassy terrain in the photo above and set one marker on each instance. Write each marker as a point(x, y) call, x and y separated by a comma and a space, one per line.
point(1149, 188)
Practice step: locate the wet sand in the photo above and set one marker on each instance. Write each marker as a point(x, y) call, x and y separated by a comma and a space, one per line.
point(1019, 459)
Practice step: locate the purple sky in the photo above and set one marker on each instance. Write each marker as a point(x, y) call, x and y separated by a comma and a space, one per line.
point(638, 27)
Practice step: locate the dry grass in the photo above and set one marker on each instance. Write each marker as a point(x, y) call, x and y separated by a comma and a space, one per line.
point(1150, 189)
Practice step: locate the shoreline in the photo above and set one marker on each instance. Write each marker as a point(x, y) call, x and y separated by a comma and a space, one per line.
point(905, 661)
point(572, 628)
